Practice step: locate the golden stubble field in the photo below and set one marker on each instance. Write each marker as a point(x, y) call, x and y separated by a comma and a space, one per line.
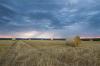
point(48, 53)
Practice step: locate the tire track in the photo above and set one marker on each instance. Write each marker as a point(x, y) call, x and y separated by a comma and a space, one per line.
point(12, 52)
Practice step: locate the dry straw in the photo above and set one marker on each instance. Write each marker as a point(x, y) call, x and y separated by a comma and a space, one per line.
point(73, 41)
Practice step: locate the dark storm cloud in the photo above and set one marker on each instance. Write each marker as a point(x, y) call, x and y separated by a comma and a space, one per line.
point(61, 16)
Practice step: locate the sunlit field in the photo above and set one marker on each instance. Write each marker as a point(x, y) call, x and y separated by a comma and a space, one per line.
point(48, 53)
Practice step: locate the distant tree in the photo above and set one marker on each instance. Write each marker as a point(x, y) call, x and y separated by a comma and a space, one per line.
point(13, 38)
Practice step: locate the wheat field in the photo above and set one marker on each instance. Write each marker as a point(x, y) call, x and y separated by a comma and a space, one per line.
point(48, 53)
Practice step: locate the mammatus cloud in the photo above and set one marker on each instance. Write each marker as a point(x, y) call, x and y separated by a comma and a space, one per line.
point(62, 17)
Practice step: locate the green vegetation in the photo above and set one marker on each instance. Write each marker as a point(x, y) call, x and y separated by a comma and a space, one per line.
point(49, 53)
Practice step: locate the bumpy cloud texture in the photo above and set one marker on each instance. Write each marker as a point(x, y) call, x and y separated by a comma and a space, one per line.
point(61, 17)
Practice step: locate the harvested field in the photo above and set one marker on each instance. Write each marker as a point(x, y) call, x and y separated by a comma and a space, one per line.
point(49, 53)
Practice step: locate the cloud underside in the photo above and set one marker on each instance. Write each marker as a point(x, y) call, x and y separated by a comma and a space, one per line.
point(63, 17)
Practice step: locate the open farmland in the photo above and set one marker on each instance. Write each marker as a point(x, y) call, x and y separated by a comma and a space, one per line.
point(48, 53)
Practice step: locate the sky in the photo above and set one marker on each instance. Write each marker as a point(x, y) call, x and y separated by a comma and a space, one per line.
point(49, 18)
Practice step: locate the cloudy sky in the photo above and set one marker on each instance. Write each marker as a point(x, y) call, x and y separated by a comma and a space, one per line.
point(49, 18)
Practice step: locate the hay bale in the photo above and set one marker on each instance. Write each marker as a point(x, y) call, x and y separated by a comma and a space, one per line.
point(70, 42)
point(77, 40)
point(73, 41)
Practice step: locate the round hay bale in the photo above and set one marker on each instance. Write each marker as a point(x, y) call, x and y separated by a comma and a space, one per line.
point(77, 40)
point(70, 42)
point(73, 41)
